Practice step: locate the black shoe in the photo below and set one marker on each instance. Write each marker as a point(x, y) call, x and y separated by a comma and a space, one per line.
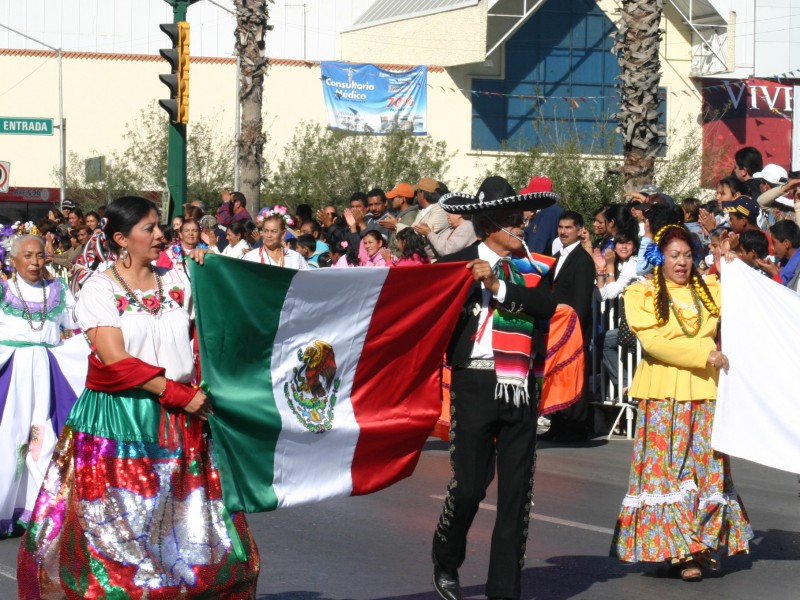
point(445, 582)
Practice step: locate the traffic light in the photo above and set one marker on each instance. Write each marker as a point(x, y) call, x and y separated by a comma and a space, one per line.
point(178, 81)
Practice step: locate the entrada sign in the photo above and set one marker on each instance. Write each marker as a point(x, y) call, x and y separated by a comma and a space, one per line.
point(26, 126)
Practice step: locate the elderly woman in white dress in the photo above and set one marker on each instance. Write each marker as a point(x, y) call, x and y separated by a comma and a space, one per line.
point(272, 252)
point(40, 377)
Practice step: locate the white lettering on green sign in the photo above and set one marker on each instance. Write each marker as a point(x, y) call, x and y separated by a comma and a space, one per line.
point(25, 126)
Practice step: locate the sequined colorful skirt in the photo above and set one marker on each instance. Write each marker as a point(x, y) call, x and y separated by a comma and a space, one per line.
point(122, 516)
point(681, 500)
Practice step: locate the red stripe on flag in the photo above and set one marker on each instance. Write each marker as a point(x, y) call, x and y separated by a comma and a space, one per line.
point(397, 389)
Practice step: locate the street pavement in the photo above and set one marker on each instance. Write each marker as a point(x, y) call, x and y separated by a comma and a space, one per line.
point(377, 547)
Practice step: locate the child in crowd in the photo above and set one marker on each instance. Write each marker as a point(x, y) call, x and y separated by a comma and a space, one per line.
point(410, 247)
point(369, 252)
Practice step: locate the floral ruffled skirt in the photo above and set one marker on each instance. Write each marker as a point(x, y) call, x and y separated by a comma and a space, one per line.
point(681, 501)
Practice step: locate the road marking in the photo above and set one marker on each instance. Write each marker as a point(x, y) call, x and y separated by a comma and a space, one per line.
point(6, 572)
point(554, 520)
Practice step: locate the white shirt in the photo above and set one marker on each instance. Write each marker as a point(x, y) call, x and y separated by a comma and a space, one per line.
point(161, 340)
point(627, 275)
point(564, 253)
point(291, 259)
point(483, 345)
point(237, 251)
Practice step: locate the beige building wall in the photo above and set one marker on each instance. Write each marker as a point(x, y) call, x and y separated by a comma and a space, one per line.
point(102, 94)
point(453, 37)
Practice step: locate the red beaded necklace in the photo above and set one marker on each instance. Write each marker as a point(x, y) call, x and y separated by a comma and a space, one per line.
point(133, 298)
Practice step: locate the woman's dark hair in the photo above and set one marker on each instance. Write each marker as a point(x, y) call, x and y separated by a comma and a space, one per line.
point(413, 243)
point(375, 234)
point(732, 182)
point(195, 213)
point(303, 212)
point(94, 214)
point(190, 222)
point(626, 236)
point(622, 217)
point(123, 214)
point(46, 226)
point(664, 237)
point(252, 230)
point(343, 247)
point(691, 206)
point(238, 228)
point(659, 216)
point(324, 260)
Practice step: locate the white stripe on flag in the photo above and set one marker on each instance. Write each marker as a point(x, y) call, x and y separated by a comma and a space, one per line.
point(757, 416)
point(334, 306)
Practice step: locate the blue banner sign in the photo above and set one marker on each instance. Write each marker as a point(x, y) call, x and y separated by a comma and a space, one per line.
point(368, 99)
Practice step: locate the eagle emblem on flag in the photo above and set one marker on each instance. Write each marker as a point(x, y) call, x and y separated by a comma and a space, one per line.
point(311, 394)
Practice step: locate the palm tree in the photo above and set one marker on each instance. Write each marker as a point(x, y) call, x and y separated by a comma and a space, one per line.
point(636, 46)
point(251, 27)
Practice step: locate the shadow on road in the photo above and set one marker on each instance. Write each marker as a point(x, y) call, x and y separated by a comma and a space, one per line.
point(565, 577)
point(293, 596)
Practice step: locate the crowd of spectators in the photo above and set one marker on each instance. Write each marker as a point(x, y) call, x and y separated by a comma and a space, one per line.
point(752, 215)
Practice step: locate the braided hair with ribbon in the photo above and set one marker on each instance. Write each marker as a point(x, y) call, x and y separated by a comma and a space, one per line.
point(655, 255)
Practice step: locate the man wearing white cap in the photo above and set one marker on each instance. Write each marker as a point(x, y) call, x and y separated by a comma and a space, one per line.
point(773, 177)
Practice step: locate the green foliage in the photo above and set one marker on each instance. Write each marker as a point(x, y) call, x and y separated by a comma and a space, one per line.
point(583, 181)
point(141, 168)
point(325, 165)
point(589, 179)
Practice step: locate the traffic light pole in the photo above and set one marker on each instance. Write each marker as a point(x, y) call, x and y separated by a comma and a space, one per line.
point(176, 149)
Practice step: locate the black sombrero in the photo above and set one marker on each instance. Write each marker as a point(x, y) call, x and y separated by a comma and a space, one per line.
point(495, 193)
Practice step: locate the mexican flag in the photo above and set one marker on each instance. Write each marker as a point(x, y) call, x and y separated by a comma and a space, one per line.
point(325, 383)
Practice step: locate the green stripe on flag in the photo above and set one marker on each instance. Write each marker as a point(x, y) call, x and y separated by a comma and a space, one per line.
point(237, 307)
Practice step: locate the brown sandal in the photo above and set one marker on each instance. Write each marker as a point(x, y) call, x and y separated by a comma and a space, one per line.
point(691, 571)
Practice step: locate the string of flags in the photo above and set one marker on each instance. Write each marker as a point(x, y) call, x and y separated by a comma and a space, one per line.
point(576, 101)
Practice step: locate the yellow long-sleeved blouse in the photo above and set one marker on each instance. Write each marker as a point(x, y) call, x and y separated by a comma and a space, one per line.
point(674, 366)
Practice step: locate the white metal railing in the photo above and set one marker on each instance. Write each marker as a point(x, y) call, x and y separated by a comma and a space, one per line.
point(605, 318)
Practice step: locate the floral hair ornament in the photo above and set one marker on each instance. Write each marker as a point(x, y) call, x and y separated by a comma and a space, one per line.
point(343, 244)
point(653, 255)
point(27, 228)
point(277, 210)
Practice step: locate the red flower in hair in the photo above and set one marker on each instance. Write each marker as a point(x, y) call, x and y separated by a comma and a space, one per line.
point(151, 302)
point(176, 294)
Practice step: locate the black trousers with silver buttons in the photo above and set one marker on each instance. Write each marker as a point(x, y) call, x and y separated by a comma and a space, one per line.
point(486, 433)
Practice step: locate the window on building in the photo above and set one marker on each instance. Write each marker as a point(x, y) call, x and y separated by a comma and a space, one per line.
point(558, 87)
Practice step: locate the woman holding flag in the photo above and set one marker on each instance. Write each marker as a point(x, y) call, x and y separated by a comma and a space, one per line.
point(681, 504)
point(131, 505)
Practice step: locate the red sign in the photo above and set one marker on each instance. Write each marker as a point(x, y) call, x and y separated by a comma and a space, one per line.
point(752, 112)
point(27, 194)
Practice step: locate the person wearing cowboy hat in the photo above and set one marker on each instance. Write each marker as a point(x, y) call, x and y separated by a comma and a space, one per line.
point(493, 401)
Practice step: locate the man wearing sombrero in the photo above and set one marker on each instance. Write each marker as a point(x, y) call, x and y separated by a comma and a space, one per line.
point(493, 407)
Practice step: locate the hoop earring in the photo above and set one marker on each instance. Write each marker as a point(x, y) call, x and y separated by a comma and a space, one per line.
point(123, 255)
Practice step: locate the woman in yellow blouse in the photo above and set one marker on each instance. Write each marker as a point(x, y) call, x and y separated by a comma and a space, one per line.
point(681, 504)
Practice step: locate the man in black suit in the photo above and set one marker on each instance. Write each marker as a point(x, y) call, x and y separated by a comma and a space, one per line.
point(492, 423)
point(572, 283)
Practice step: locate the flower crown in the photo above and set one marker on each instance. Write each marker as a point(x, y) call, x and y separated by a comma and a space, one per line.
point(278, 210)
point(27, 228)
